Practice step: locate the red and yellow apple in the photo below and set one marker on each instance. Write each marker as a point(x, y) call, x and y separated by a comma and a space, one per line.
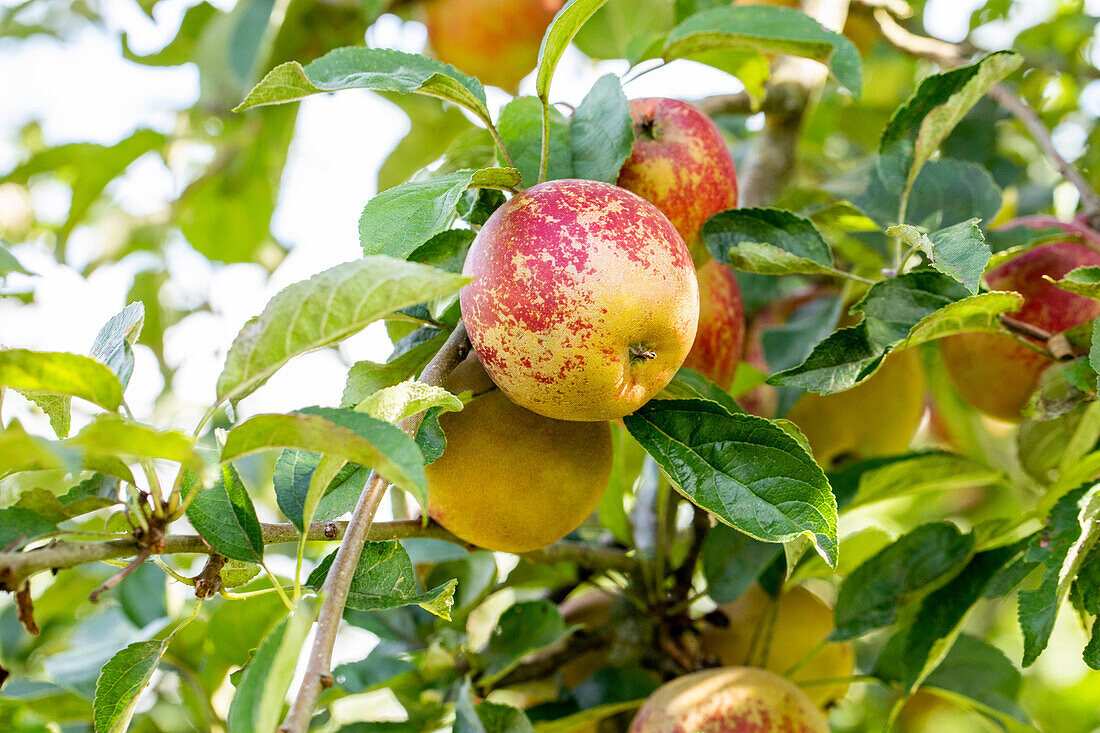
point(583, 302)
point(495, 40)
point(680, 163)
point(996, 374)
point(729, 700)
point(783, 633)
point(511, 480)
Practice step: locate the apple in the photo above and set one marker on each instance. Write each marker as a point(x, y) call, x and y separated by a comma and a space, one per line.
point(591, 608)
point(496, 41)
point(993, 372)
point(680, 163)
point(721, 333)
point(801, 623)
point(510, 480)
point(729, 700)
point(583, 301)
point(877, 417)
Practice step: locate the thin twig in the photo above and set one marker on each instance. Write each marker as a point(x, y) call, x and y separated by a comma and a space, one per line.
point(950, 55)
point(334, 592)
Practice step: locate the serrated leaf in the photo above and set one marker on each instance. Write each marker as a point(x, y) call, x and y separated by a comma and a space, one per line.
point(743, 469)
point(380, 70)
point(602, 133)
point(110, 436)
point(523, 628)
point(395, 403)
point(945, 192)
point(367, 377)
point(520, 127)
point(294, 470)
point(236, 573)
point(766, 30)
point(975, 314)
point(58, 408)
point(872, 596)
point(730, 237)
point(223, 514)
point(351, 435)
point(922, 472)
point(400, 219)
point(924, 121)
point(323, 310)
point(1081, 281)
point(958, 251)
point(839, 362)
point(113, 344)
point(258, 704)
point(121, 683)
point(558, 36)
point(60, 373)
point(384, 578)
point(942, 613)
point(689, 384)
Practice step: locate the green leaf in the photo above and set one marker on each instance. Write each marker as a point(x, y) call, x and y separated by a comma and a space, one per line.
point(487, 717)
point(8, 263)
point(945, 192)
point(323, 310)
point(959, 251)
point(58, 408)
point(975, 314)
point(223, 514)
point(732, 561)
point(602, 133)
point(143, 595)
point(1082, 281)
point(689, 384)
point(258, 704)
point(60, 373)
point(433, 126)
point(743, 469)
point(384, 578)
point(121, 683)
point(729, 236)
point(839, 362)
point(520, 128)
point(20, 451)
point(558, 36)
point(351, 435)
point(397, 221)
point(18, 526)
point(109, 436)
point(874, 594)
point(919, 473)
point(940, 101)
point(523, 628)
point(367, 377)
point(938, 622)
point(395, 403)
point(113, 345)
point(380, 70)
point(1038, 608)
point(766, 30)
point(293, 472)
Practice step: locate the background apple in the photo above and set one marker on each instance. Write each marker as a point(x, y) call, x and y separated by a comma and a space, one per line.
point(495, 40)
point(584, 301)
point(996, 374)
point(511, 480)
point(802, 621)
point(720, 337)
point(877, 417)
point(729, 700)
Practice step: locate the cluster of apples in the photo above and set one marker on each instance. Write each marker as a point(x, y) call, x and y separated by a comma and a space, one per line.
point(584, 303)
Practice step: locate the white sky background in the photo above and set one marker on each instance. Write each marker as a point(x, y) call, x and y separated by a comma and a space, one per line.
point(84, 90)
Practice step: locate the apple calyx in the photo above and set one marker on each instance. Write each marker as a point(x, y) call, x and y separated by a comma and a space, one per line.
point(638, 352)
point(646, 127)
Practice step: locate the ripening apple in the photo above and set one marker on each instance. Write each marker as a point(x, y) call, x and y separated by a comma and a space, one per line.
point(993, 372)
point(802, 621)
point(510, 480)
point(584, 301)
point(729, 700)
point(496, 41)
point(680, 164)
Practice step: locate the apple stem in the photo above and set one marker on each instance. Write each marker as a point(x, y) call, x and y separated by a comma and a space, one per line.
point(637, 351)
point(646, 128)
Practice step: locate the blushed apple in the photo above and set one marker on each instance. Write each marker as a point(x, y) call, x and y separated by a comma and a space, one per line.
point(996, 374)
point(495, 40)
point(721, 333)
point(584, 301)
